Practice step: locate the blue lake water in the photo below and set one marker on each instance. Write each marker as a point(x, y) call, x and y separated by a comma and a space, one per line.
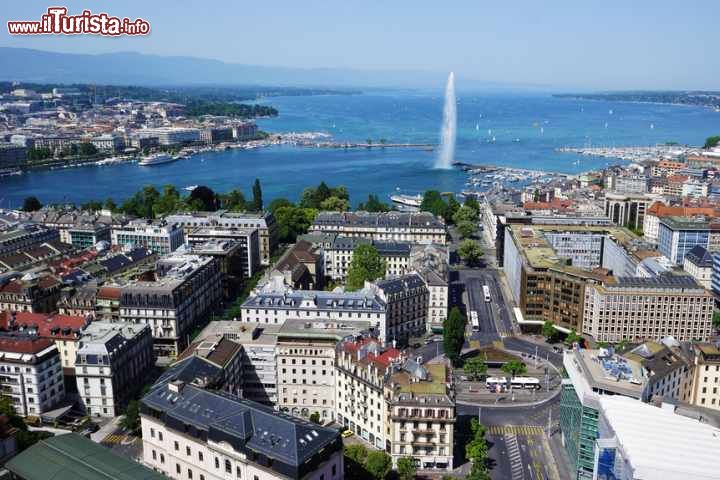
point(541, 123)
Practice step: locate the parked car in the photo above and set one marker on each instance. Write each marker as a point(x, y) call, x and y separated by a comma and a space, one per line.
point(347, 433)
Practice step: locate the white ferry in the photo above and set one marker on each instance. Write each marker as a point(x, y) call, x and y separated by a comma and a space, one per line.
point(157, 159)
point(408, 200)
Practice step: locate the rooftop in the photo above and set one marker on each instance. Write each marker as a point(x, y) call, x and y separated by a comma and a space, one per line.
point(52, 325)
point(700, 256)
point(386, 219)
point(661, 444)
point(216, 349)
point(74, 457)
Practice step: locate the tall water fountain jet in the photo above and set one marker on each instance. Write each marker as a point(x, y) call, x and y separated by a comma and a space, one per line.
point(449, 127)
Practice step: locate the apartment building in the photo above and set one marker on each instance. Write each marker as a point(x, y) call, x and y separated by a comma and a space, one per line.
point(191, 433)
point(338, 256)
point(301, 267)
point(705, 379)
point(258, 361)
point(112, 360)
point(231, 260)
point(275, 304)
point(35, 293)
point(698, 263)
point(186, 289)
point(31, 375)
point(627, 209)
point(171, 135)
point(406, 300)
point(264, 222)
point(421, 227)
point(636, 309)
point(306, 366)
point(64, 330)
point(217, 353)
point(247, 240)
point(362, 367)
point(26, 236)
point(651, 224)
point(666, 370)
point(420, 419)
point(432, 262)
point(160, 237)
point(107, 303)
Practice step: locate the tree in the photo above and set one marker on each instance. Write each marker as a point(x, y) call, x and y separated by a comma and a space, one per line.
point(315, 417)
point(206, 198)
point(355, 458)
point(91, 206)
point(335, 204)
point(476, 451)
point(131, 420)
point(465, 214)
point(87, 149)
point(470, 251)
point(110, 205)
point(257, 202)
point(711, 142)
point(466, 229)
point(366, 265)
point(433, 202)
point(313, 197)
point(278, 203)
point(471, 202)
point(234, 201)
point(572, 338)
point(168, 202)
point(716, 319)
point(454, 335)
point(406, 468)
point(293, 221)
point(378, 464)
point(549, 331)
point(31, 204)
point(475, 367)
point(514, 368)
point(36, 154)
point(374, 204)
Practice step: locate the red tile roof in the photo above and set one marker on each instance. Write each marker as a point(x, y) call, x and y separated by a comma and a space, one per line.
point(382, 360)
point(24, 344)
point(51, 325)
point(109, 293)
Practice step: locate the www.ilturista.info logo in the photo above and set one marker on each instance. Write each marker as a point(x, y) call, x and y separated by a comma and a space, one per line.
point(57, 22)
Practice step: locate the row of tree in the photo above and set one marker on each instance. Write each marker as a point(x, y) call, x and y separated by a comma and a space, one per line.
point(553, 335)
point(476, 451)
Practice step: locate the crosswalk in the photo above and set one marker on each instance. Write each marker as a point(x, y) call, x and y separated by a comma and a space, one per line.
point(524, 430)
point(116, 438)
point(517, 470)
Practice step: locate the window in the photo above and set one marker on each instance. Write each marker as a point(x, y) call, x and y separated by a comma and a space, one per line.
point(177, 446)
point(162, 458)
point(238, 472)
point(217, 462)
point(160, 436)
point(154, 455)
point(152, 433)
point(228, 467)
point(177, 467)
point(187, 451)
point(189, 473)
point(334, 470)
point(200, 456)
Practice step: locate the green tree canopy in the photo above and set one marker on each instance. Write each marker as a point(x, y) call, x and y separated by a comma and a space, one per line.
point(514, 368)
point(465, 214)
point(572, 338)
point(366, 265)
point(454, 335)
point(475, 367)
point(110, 205)
point(434, 203)
point(313, 197)
point(374, 204)
point(206, 198)
point(234, 201)
point(378, 464)
point(293, 221)
point(470, 251)
point(131, 420)
point(711, 142)
point(466, 229)
point(31, 204)
point(315, 417)
point(471, 202)
point(549, 331)
point(335, 204)
point(278, 203)
point(91, 206)
point(257, 202)
point(406, 468)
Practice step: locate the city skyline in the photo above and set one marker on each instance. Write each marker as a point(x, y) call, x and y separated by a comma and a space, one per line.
point(552, 45)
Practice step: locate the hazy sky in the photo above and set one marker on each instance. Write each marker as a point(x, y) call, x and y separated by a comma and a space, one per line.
point(599, 44)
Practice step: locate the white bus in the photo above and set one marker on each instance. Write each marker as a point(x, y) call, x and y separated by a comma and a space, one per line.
point(496, 384)
point(474, 321)
point(529, 383)
point(486, 292)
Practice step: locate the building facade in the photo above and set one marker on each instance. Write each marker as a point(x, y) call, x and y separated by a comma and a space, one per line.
point(161, 238)
point(419, 227)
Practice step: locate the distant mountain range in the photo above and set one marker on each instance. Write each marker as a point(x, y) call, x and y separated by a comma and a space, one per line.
point(131, 68)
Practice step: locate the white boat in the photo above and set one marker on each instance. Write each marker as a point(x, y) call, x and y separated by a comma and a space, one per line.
point(156, 159)
point(190, 188)
point(6, 172)
point(409, 200)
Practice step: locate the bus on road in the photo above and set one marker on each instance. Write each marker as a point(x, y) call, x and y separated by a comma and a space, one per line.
point(474, 321)
point(526, 382)
point(486, 292)
point(496, 384)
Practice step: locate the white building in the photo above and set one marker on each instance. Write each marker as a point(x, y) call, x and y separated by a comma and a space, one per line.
point(264, 222)
point(431, 262)
point(111, 363)
point(698, 263)
point(171, 135)
point(362, 367)
point(31, 375)
point(187, 288)
point(161, 238)
point(637, 441)
point(191, 433)
point(420, 227)
point(275, 303)
point(338, 256)
point(306, 366)
point(406, 300)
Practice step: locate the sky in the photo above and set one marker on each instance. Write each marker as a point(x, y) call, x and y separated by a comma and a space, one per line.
point(585, 44)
